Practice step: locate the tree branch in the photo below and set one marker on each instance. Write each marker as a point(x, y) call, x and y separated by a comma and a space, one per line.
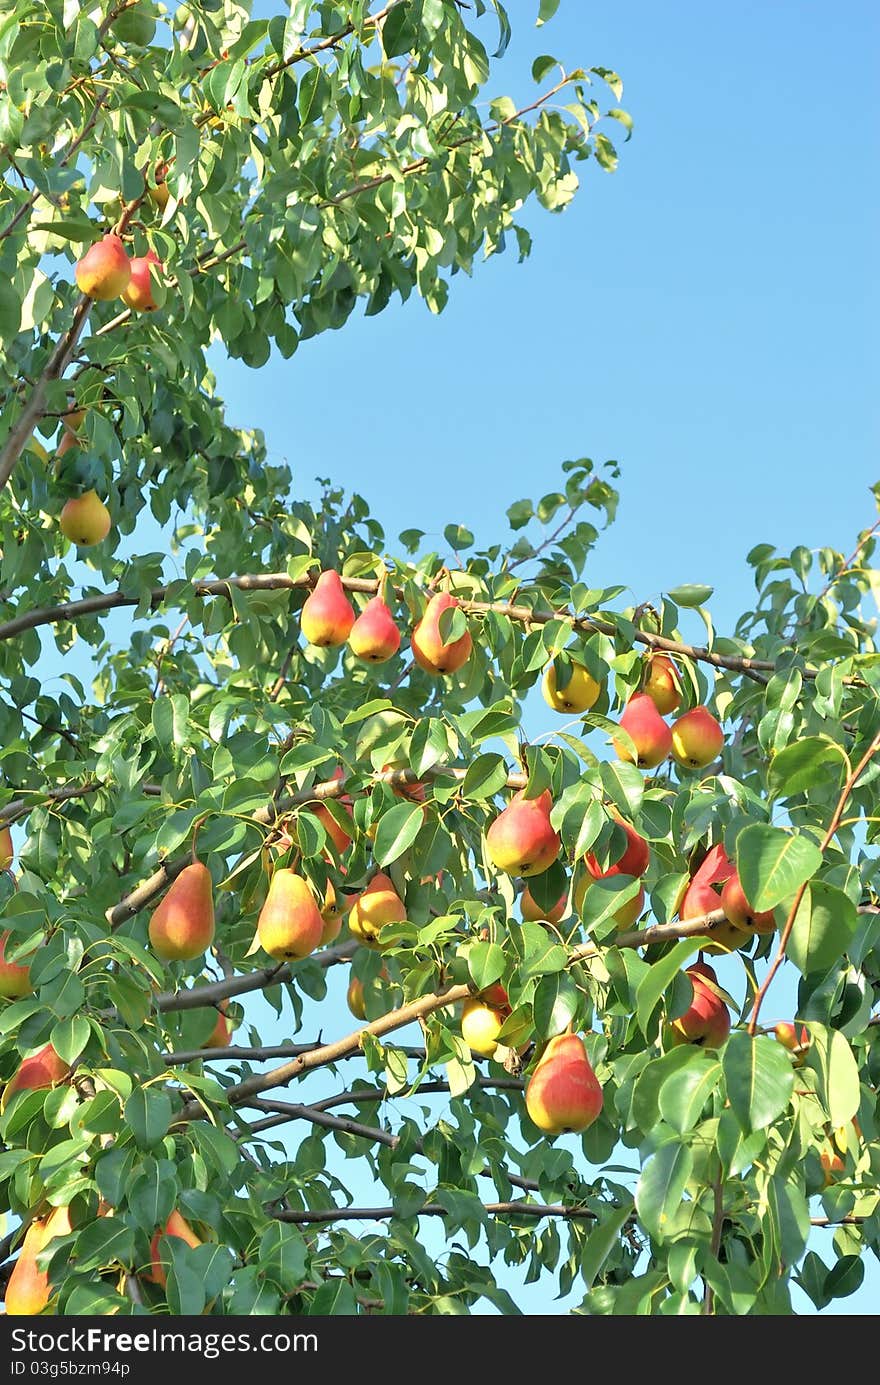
point(431, 1209)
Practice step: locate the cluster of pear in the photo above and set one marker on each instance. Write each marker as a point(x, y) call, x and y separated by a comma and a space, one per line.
point(106, 272)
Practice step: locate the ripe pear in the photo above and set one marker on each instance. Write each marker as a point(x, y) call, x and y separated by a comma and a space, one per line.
point(832, 1164)
point(222, 1032)
point(15, 977)
point(354, 997)
point(429, 651)
point(327, 616)
point(579, 693)
point(563, 1093)
point(703, 896)
point(647, 730)
point(70, 437)
point(377, 905)
point(28, 1291)
point(176, 1225)
point(589, 904)
point(138, 293)
point(787, 1035)
point(337, 834)
point(182, 927)
point(374, 636)
point(482, 1017)
point(634, 861)
point(706, 1021)
point(290, 923)
point(533, 913)
point(521, 840)
point(697, 738)
point(45, 1068)
point(739, 911)
point(85, 520)
point(104, 270)
point(662, 684)
point(6, 851)
point(333, 911)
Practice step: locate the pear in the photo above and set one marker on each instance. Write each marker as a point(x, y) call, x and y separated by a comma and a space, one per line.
point(429, 650)
point(182, 927)
point(706, 1021)
point(579, 693)
point(222, 1032)
point(6, 851)
point(333, 911)
point(697, 738)
point(374, 637)
point(563, 1093)
point(647, 730)
point(71, 424)
point(521, 840)
point(787, 1035)
point(662, 684)
point(290, 924)
point(739, 911)
point(354, 997)
point(104, 270)
point(337, 834)
point(703, 896)
point(45, 1068)
point(138, 294)
point(178, 1226)
point(590, 903)
point(15, 977)
point(85, 520)
point(377, 905)
point(28, 1291)
point(327, 616)
point(533, 913)
point(482, 1017)
point(635, 858)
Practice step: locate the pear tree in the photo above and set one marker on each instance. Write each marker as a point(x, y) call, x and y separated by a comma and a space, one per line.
point(553, 854)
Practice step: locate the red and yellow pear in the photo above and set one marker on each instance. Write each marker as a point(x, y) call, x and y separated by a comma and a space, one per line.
point(178, 1226)
point(739, 911)
point(482, 1017)
point(138, 294)
point(797, 1044)
point(337, 834)
point(290, 925)
point(377, 905)
point(182, 927)
point(70, 437)
point(374, 637)
point(354, 996)
point(104, 270)
point(634, 861)
point(706, 1022)
point(533, 913)
point(697, 738)
point(428, 647)
point(563, 1093)
point(28, 1291)
point(521, 840)
point(703, 896)
point(648, 732)
point(662, 684)
point(576, 696)
point(222, 1032)
point(15, 977)
point(85, 519)
point(45, 1068)
point(327, 616)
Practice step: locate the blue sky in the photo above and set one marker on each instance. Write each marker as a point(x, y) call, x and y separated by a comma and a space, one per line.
point(707, 315)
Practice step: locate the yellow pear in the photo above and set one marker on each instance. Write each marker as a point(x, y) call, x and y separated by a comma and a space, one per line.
point(28, 1291)
point(579, 693)
point(379, 904)
point(290, 925)
point(85, 520)
point(182, 927)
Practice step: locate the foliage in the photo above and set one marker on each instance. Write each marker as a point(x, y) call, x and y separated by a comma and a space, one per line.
point(319, 160)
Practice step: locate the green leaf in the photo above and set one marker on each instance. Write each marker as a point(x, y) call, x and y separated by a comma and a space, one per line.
point(148, 1112)
point(555, 1005)
point(547, 10)
point(789, 1217)
point(601, 1241)
point(70, 1036)
point(661, 1186)
point(486, 775)
point(397, 830)
point(103, 1243)
point(806, 763)
point(684, 1093)
point(833, 1062)
point(825, 924)
point(773, 864)
point(759, 1078)
point(283, 1255)
point(486, 964)
point(845, 1277)
point(335, 1298)
point(661, 975)
point(693, 594)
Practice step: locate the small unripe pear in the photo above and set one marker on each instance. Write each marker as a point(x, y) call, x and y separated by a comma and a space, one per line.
point(563, 1093)
point(374, 636)
point(377, 905)
point(521, 840)
point(138, 293)
point(182, 927)
point(327, 616)
point(579, 693)
point(697, 738)
point(85, 520)
point(290, 924)
point(647, 730)
point(429, 651)
point(662, 684)
point(104, 270)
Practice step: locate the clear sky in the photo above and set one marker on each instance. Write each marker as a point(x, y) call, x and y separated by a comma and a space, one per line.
point(707, 315)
